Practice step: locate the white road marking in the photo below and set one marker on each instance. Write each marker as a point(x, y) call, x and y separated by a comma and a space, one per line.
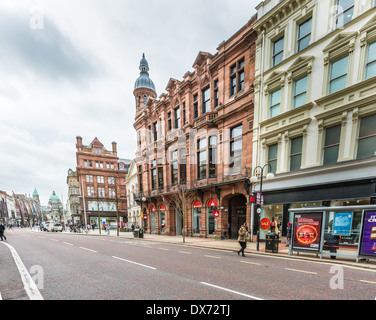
point(365, 281)
point(163, 249)
point(29, 284)
point(214, 257)
point(254, 263)
point(185, 252)
point(139, 264)
point(302, 271)
point(232, 291)
point(54, 240)
point(69, 244)
point(88, 249)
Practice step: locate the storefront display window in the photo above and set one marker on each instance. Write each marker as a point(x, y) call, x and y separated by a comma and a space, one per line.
point(162, 218)
point(211, 221)
point(196, 217)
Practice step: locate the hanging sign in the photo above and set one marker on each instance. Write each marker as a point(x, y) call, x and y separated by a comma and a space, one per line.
point(216, 213)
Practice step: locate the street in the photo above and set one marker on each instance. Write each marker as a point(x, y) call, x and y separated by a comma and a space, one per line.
point(87, 267)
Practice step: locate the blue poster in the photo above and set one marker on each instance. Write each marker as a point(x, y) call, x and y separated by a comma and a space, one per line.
point(342, 223)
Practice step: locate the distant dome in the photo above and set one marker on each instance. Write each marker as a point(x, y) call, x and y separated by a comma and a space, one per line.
point(54, 197)
point(144, 81)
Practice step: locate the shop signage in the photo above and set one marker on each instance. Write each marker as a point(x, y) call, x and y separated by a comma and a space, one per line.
point(307, 231)
point(216, 213)
point(265, 224)
point(145, 216)
point(260, 199)
point(153, 209)
point(252, 198)
point(368, 242)
point(162, 208)
point(197, 204)
point(213, 203)
point(342, 223)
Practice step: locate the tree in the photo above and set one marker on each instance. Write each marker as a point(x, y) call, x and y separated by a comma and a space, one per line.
point(181, 200)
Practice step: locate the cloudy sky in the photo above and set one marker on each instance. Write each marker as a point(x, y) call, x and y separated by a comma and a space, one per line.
point(68, 69)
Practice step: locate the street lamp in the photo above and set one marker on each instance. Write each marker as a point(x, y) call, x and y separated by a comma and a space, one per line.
point(259, 172)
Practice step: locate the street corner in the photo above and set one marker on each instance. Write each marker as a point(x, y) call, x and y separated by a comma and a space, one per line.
point(11, 285)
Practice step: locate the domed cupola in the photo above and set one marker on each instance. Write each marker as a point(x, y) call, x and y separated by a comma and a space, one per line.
point(144, 82)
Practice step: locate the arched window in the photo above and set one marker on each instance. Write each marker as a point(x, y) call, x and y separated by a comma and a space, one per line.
point(145, 100)
point(139, 101)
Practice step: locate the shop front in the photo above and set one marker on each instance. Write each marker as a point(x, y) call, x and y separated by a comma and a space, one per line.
point(153, 219)
point(196, 218)
point(162, 219)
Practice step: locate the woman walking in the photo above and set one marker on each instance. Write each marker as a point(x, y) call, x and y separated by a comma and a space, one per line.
point(242, 239)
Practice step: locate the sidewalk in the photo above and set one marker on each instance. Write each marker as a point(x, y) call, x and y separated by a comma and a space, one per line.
point(233, 245)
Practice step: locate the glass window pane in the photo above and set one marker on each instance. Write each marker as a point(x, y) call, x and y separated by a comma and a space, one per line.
point(274, 111)
point(277, 59)
point(339, 67)
point(368, 126)
point(344, 4)
point(338, 84)
point(300, 100)
point(237, 132)
point(301, 85)
point(372, 52)
point(367, 147)
point(275, 97)
point(332, 135)
point(305, 28)
point(296, 145)
point(331, 155)
point(304, 43)
point(371, 70)
point(273, 164)
point(278, 45)
point(273, 152)
point(296, 162)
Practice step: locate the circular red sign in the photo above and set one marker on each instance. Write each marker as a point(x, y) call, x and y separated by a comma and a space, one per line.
point(265, 224)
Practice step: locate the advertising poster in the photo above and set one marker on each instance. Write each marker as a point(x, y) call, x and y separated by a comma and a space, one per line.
point(368, 243)
point(342, 224)
point(307, 231)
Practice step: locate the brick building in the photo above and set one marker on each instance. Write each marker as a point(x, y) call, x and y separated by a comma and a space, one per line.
point(104, 199)
point(196, 139)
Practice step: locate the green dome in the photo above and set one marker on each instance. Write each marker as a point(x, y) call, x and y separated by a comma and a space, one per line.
point(54, 197)
point(35, 193)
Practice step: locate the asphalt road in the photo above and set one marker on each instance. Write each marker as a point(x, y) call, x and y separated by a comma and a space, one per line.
point(79, 267)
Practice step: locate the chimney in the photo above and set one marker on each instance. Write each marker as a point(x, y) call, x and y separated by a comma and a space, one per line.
point(79, 144)
point(114, 149)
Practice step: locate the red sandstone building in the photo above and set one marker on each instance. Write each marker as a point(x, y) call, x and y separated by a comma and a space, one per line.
point(198, 137)
point(102, 184)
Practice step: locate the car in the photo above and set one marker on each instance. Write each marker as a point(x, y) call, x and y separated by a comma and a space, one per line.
point(57, 227)
point(46, 226)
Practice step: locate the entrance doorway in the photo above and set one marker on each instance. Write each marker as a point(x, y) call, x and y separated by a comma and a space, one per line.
point(237, 215)
point(179, 223)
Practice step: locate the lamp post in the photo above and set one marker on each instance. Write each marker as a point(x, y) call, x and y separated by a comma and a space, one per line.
point(270, 176)
point(143, 199)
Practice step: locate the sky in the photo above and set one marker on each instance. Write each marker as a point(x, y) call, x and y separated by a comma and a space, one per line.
point(68, 69)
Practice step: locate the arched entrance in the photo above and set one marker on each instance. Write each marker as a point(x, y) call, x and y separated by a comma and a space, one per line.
point(237, 214)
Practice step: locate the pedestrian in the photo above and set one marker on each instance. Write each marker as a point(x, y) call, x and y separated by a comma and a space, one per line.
point(132, 227)
point(2, 229)
point(108, 229)
point(288, 235)
point(242, 239)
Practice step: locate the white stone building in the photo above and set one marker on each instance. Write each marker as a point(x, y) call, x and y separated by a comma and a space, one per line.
point(134, 209)
point(315, 105)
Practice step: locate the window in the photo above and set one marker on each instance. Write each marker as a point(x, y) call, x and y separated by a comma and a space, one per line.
point(111, 180)
point(184, 115)
point(201, 158)
point(275, 103)
point(160, 177)
point(205, 100)
point(331, 147)
point(344, 13)
point(195, 106)
point(85, 163)
point(111, 193)
point(367, 137)
point(212, 157)
point(174, 173)
point(371, 61)
point(177, 117)
point(139, 101)
point(154, 179)
point(237, 77)
point(304, 34)
point(300, 92)
point(89, 178)
point(273, 157)
point(278, 51)
point(145, 100)
point(216, 94)
point(236, 147)
point(338, 75)
point(155, 130)
point(90, 192)
point(169, 122)
point(140, 180)
point(101, 192)
point(296, 154)
point(100, 179)
point(139, 139)
point(97, 150)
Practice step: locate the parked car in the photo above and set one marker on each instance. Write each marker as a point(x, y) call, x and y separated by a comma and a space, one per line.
point(57, 227)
